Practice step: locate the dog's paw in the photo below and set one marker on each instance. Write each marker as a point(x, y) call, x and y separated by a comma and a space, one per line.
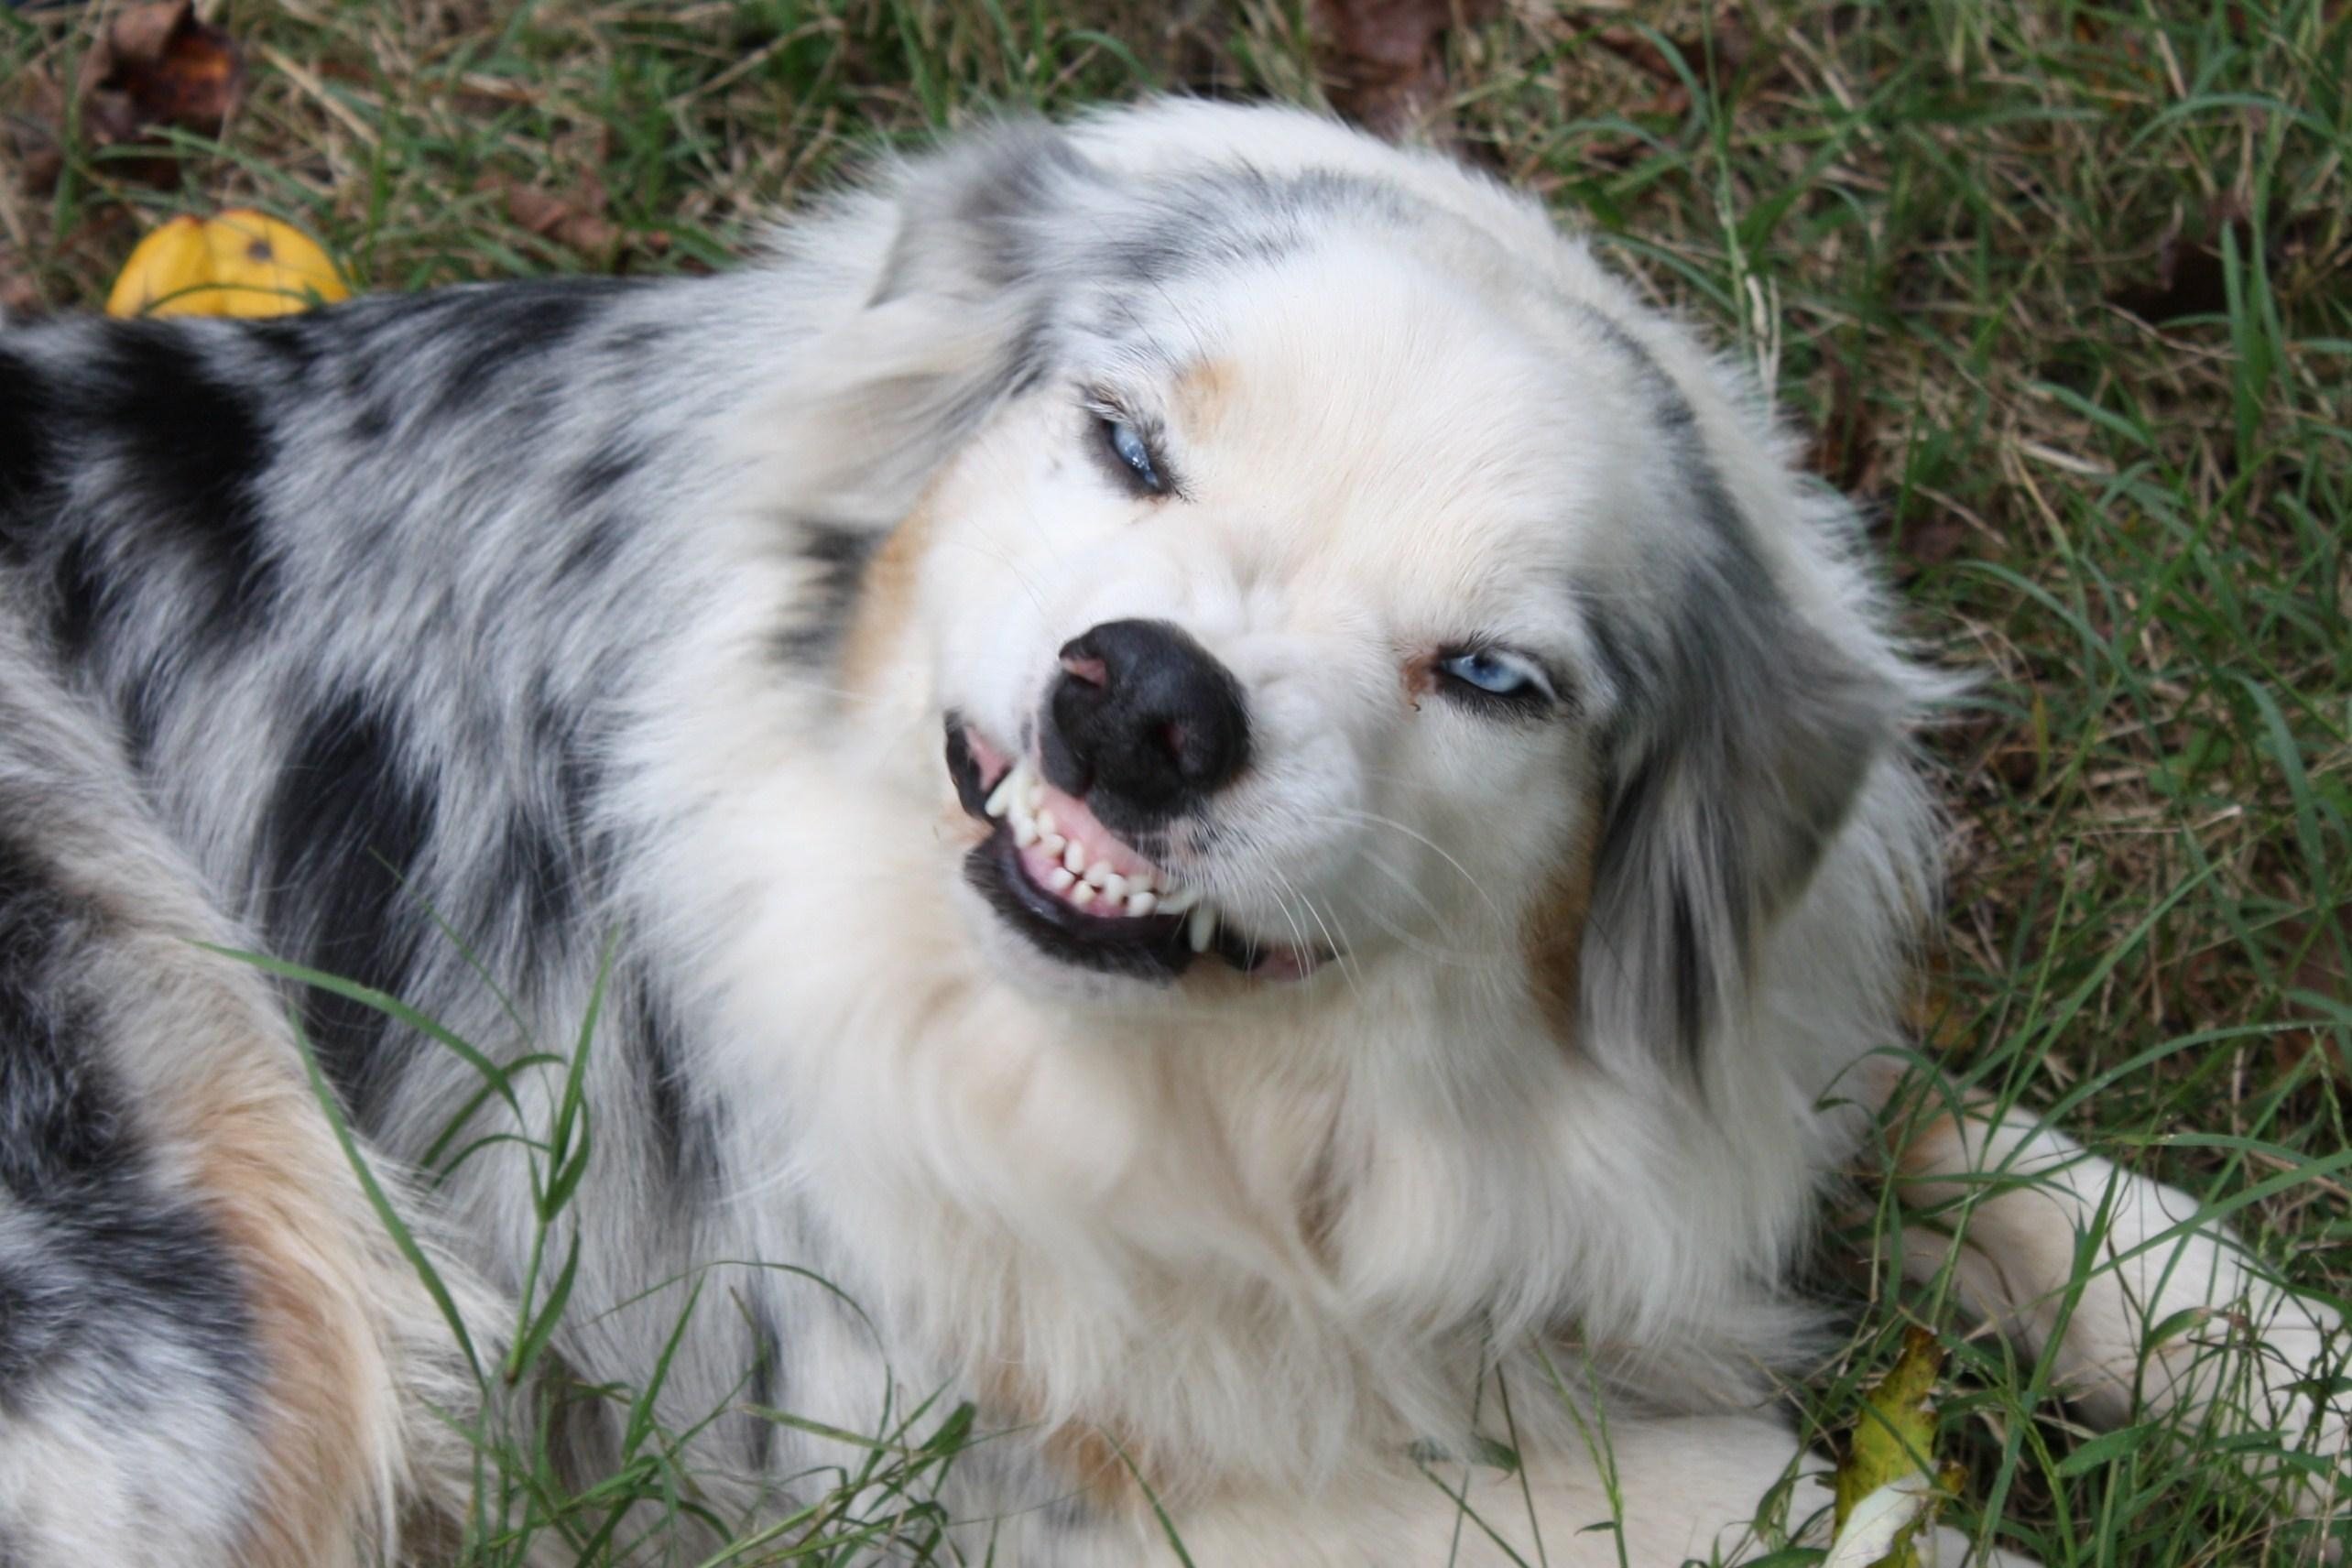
point(2142, 1308)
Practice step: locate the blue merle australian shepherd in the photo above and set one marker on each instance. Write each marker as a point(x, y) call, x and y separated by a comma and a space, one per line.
point(1213, 797)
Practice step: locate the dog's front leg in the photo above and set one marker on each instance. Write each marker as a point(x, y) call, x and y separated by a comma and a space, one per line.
point(2143, 1308)
point(1648, 1494)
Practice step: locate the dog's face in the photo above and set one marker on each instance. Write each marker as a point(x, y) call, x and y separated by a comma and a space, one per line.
point(1268, 612)
point(1325, 589)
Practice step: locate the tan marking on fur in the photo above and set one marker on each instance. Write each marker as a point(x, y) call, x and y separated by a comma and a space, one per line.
point(1552, 937)
point(260, 1150)
point(1203, 393)
point(1083, 1452)
point(886, 598)
point(1420, 678)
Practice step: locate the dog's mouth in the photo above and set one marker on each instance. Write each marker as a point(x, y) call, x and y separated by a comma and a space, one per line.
point(1079, 892)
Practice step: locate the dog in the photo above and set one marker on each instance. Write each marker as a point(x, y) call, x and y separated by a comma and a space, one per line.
point(1176, 783)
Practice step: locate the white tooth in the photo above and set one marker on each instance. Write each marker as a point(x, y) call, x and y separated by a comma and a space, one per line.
point(1000, 798)
point(1060, 879)
point(1140, 904)
point(1045, 823)
point(1115, 886)
point(1176, 900)
point(1024, 832)
point(1099, 874)
point(1074, 857)
point(1082, 895)
point(1200, 928)
point(1054, 843)
point(1036, 789)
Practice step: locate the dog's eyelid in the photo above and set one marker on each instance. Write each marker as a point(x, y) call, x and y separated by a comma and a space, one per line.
point(1157, 479)
point(1546, 692)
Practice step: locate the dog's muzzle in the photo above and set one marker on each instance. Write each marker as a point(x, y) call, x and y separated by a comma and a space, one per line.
point(1138, 731)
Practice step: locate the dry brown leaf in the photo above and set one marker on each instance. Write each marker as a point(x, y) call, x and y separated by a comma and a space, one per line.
point(156, 65)
point(174, 68)
point(1384, 60)
point(575, 221)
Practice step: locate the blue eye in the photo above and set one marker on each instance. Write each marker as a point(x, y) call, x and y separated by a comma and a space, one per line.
point(1127, 445)
point(1493, 673)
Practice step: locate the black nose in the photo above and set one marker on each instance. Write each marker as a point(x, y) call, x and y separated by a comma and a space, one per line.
point(1143, 715)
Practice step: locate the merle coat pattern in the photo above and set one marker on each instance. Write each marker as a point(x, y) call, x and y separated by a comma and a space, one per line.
point(511, 650)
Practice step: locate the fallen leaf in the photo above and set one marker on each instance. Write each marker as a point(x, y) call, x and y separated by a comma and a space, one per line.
point(1384, 60)
point(155, 66)
point(239, 263)
point(576, 221)
point(176, 70)
point(1887, 1482)
point(1879, 1525)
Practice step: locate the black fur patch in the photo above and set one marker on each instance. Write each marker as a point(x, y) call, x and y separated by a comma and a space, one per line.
point(597, 477)
point(510, 327)
point(685, 1138)
point(54, 1123)
point(294, 344)
point(111, 1255)
point(537, 873)
point(27, 448)
point(839, 556)
point(346, 832)
point(766, 1376)
point(191, 446)
point(84, 595)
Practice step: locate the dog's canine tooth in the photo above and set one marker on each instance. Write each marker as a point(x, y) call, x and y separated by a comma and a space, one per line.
point(1200, 928)
point(1000, 798)
point(1098, 874)
point(1175, 901)
point(1115, 887)
point(1140, 904)
point(1083, 894)
point(1024, 832)
point(1074, 857)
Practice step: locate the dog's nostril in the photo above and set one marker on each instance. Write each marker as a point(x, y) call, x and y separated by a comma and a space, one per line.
point(1147, 714)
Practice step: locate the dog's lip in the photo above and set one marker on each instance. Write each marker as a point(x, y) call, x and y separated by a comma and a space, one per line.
point(1157, 945)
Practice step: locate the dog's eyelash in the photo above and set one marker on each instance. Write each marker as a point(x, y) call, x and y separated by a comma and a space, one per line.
point(1155, 477)
point(1538, 696)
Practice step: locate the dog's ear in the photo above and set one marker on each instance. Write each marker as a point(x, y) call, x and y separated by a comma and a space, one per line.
point(946, 309)
point(1743, 736)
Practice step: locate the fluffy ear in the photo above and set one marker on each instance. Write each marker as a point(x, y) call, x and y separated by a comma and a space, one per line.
point(1745, 735)
point(944, 311)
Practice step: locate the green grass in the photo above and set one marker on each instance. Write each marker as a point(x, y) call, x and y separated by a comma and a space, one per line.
point(1919, 217)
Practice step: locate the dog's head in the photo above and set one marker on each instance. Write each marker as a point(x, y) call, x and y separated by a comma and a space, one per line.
point(1324, 566)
